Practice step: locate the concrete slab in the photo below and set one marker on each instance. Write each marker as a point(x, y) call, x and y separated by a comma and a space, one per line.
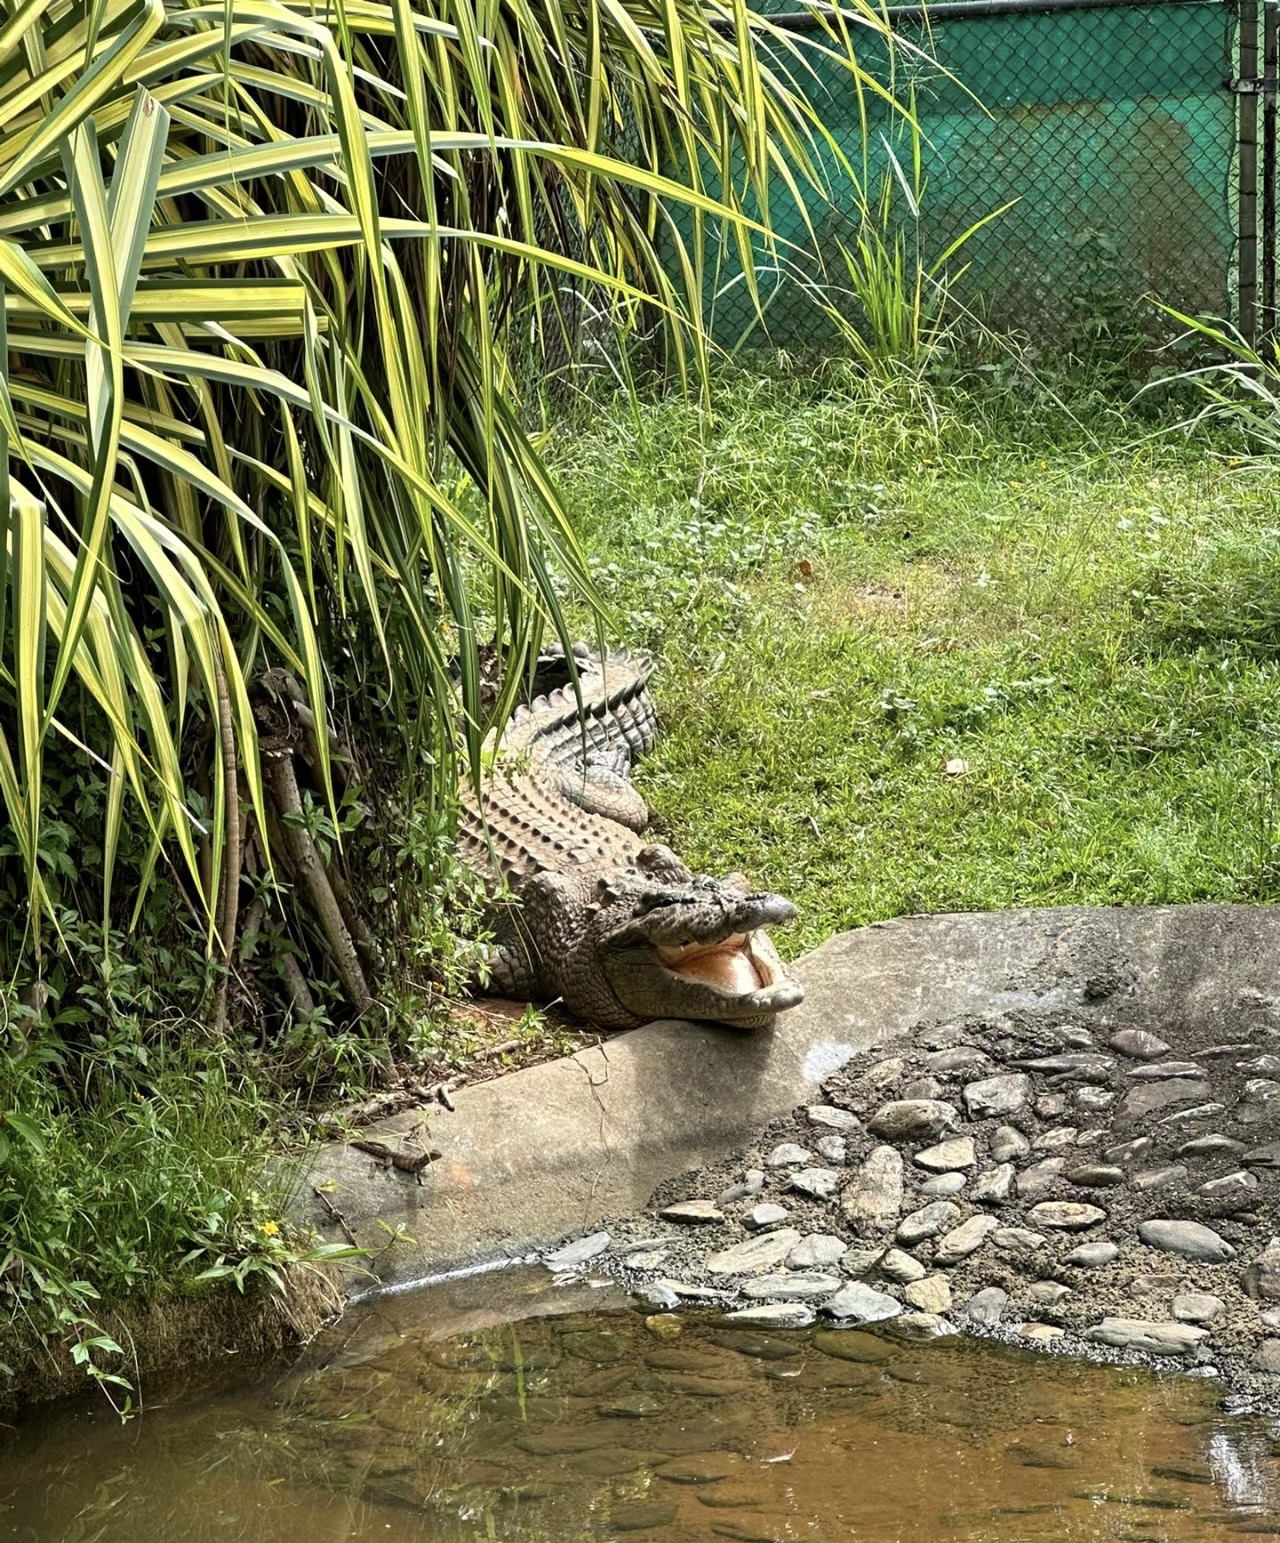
point(558, 1147)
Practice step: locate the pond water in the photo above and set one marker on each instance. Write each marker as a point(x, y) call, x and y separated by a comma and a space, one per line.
point(506, 1409)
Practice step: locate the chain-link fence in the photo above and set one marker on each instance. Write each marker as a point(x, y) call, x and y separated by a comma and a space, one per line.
point(1109, 129)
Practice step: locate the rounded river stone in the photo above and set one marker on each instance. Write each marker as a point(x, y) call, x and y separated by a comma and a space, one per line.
point(927, 1221)
point(964, 1240)
point(1091, 1256)
point(957, 1153)
point(1065, 1215)
point(1191, 1240)
point(759, 1253)
point(860, 1303)
point(994, 1097)
point(913, 1119)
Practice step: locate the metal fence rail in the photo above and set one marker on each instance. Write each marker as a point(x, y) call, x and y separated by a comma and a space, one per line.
point(1124, 130)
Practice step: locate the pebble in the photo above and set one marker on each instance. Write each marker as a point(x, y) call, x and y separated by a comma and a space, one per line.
point(930, 1294)
point(1148, 1097)
point(775, 1315)
point(960, 1058)
point(1271, 1318)
point(1158, 1178)
point(1198, 1307)
point(647, 1258)
point(1220, 1052)
point(1090, 1138)
point(947, 1155)
point(986, 1306)
point(1138, 1044)
point(921, 1087)
point(682, 1288)
point(1065, 1215)
point(850, 1344)
point(1211, 1146)
point(873, 1199)
point(1094, 1100)
point(1073, 1034)
point(1040, 1177)
point(860, 1261)
point(1008, 1143)
point(1238, 1186)
point(1162, 1070)
point(994, 1097)
point(944, 1184)
point(1051, 1106)
point(1189, 1116)
point(901, 1267)
point(859, 1303)
point(816, 1249)
point(922, 1326)
point(1056, 1140)
point(817, 1183)
point(1039, 1333)
point(1154, 1284)
point(789, 1155)
point(1048, 1293)
point(798, 1285)
point(964, 1240)
point(834, 1148)
point(1144, 1334)
point(751, 1184)
point(1129, 1151)
point(1074, 1066)
point(831, 1118)
point(1267, 1156)
point(927, 1222)
point(1267, 1358)
point(1017, 1240)
point(573, 1254)
point(758, 1253)
point(665, 1326)
point(760, 1217)
point(1191, 1240)
point(1091, 1256)
point(702, 1468)
point(694, 1211)
point(658, 1296)
point(1095, 1176)
point(1261, 1278)
point(913, 1119)
point(1265, 1065)
point(892, 1069)
point(995, 1186)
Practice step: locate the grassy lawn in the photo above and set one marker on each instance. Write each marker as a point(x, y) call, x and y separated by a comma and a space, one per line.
point(942, 651)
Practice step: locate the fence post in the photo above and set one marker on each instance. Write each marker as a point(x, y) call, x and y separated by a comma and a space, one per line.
point(1270, 29)
point(1248, 141)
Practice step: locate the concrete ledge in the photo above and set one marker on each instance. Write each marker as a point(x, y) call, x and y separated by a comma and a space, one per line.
point(534, 1155)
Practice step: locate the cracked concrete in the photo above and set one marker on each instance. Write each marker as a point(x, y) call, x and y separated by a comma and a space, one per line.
point(555, 1148)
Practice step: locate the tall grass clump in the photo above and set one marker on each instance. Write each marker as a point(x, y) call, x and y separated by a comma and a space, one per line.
point(276, 547)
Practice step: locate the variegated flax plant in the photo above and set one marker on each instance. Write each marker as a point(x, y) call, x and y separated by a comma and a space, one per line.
point(268, 498)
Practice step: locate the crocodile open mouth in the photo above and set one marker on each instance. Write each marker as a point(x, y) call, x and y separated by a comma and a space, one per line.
point(736, 965)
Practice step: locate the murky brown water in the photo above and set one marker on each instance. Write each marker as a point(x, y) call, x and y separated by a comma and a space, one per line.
point(428, 1420)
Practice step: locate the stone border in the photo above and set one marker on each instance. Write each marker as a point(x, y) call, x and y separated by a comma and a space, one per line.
point(554, 1149)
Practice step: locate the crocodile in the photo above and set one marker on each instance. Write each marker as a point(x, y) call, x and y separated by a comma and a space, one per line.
point(587, 912)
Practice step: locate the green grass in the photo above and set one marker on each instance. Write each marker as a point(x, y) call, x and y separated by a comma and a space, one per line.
point(849, 586)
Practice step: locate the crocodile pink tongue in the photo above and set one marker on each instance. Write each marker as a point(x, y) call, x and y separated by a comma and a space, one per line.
point(729, 965)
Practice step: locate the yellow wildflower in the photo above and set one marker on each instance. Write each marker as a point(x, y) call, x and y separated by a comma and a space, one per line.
point(271, 1228)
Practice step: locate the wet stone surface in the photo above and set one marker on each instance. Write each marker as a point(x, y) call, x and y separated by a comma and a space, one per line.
point(1005, 1151)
